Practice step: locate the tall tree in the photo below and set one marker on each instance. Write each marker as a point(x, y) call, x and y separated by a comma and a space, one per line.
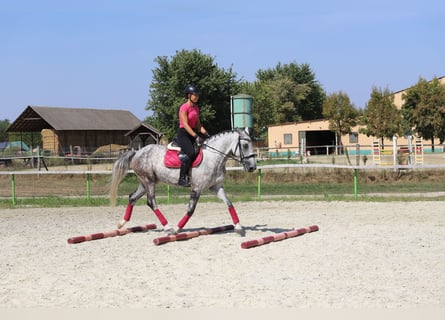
point(296, 95)
point(170, 78)
point(341, 113)
point(4, 124)
point(424, 109)
point(263, 108)
point(381, 118)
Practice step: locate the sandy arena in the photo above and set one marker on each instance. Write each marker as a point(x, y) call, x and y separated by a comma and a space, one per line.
point(378, 255)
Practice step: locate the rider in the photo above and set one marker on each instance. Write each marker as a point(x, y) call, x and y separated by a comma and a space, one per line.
point(190, 130)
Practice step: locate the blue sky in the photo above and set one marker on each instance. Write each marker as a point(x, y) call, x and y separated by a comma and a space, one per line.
point(100, 54)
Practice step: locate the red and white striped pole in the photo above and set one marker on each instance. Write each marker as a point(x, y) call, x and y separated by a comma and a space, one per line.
point(278, 237)
point(191, 234)
point(108, 234)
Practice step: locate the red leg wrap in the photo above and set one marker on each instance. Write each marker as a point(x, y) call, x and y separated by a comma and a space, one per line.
point(128, 212)
point(161, 217)
point(183, 221)
point(233, 214)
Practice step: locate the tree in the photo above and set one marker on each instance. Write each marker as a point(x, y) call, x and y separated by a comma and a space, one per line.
point(263, 112)
point(295, 94)
point(424, 109)
point(4, 124)
point(170, 78)
point(32, 139)
point(341, 113)
point(381, 117)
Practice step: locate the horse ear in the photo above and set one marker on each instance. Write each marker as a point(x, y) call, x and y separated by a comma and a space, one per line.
point(246, 130)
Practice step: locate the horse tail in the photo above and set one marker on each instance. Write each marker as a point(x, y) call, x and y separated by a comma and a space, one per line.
point(120, 168)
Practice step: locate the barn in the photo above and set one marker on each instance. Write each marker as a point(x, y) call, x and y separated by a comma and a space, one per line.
point(62, 129)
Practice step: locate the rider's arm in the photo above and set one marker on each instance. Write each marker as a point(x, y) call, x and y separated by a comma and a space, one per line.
point(201, 128)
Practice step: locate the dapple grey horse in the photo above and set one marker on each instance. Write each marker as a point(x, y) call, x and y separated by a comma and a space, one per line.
point(148, 165)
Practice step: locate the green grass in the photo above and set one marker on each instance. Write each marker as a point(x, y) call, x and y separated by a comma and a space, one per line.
point(293, 185)
point(59, 202)
point(249, 192)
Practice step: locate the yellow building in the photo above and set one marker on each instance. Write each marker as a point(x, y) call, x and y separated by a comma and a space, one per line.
point(314, 136)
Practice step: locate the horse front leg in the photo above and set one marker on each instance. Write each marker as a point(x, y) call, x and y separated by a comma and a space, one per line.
point(221, 194)
point(194, 197)
point(132, 198)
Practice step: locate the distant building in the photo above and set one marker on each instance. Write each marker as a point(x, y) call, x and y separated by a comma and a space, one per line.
point(315, 136)
point(64, 128)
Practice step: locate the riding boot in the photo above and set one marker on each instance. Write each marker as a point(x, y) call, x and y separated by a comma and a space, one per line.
point(184, 179)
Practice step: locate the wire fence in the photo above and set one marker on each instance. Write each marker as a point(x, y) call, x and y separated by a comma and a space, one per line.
point(377, 153)
point(95, 183)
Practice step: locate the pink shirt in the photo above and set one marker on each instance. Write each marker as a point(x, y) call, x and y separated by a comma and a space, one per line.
point(192, 114)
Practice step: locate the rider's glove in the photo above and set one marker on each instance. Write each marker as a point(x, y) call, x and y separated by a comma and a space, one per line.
point(199, 140)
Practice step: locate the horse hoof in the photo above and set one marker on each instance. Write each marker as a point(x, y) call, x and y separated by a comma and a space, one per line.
point(121, 223)
point(240, 230)
point(170, 230)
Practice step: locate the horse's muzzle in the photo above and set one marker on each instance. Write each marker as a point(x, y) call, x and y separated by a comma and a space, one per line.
point(249, 164)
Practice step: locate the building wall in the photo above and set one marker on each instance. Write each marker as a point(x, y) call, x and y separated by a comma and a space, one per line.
point(398, 101)
point(292, 131)
point(277, 143)
point(276, 134)
point(62, 142)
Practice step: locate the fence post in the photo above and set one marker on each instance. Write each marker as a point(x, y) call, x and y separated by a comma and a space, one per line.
point(169, 200)
point(394, 152)
point(88, 188)
point(355, 183)
point(259, 184)
point(357, 154)
point(38, 158)
point(13, 189)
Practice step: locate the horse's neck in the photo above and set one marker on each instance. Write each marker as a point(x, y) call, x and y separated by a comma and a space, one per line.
point(225, 144)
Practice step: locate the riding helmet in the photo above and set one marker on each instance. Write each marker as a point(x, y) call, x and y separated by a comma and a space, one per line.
point(191, 89)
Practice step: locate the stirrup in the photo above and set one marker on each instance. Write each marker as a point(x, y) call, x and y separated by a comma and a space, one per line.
point(184, 182)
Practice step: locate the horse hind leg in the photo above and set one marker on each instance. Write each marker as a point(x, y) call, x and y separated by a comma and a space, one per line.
point(151, 202)
point(221, 194)
point(132, 198)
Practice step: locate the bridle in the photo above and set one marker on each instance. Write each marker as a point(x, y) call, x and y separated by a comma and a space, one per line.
point(242, 157)
point(241, 154)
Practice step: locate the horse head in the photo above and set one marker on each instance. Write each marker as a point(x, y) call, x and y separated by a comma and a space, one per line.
point(245, 150)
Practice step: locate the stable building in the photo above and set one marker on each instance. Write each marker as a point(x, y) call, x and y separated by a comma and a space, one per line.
point(290, 139)
point(63, 128)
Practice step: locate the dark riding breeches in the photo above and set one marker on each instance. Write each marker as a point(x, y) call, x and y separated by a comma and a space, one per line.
point(186, 142)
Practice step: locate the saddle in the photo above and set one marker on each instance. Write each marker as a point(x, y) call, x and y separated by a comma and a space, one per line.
point(173, 154)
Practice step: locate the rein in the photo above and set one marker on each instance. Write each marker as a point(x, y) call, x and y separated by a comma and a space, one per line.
point(222, 153)
point(241, 158)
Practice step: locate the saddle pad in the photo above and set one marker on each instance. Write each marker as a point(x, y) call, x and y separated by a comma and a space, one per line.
point(171, 159)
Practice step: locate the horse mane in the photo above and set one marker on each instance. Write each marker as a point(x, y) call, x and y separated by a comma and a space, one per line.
point(219, 134)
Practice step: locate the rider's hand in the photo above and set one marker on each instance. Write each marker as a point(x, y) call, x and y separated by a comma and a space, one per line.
point(199, 140)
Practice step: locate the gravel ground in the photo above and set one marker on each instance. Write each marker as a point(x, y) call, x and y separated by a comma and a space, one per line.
point(365, 255)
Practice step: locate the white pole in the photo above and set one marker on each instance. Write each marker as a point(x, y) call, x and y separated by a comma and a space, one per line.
point(410, 149)
point(394, 151)
point(231, 111)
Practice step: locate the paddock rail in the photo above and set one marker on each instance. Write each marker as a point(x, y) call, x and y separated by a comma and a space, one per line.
point(88, 173)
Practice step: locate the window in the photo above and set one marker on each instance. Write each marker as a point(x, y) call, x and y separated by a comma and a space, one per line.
point(353, 137)
point(287, 138)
